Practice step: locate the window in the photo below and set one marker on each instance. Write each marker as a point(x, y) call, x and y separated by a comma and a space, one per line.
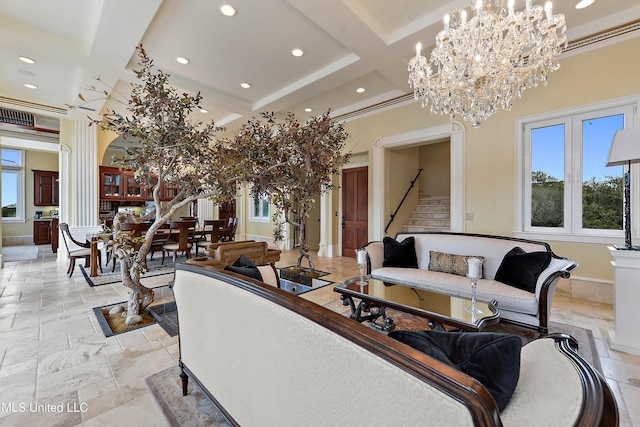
point(259, 207)
point(565, 188)
point(12, 185)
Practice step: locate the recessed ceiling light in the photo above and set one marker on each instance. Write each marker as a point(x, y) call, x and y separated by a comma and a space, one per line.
point(297, 52)
point(30, 86)
point(584, 3)
point(26, 59)
point(228, 10)
point(204, 111)
point(308, 110)
point(245, 85)
point(182, 60)
point(360, 90)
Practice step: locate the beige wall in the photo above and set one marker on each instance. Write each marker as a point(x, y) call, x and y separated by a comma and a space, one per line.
point(435, 160)
point(599, 75)
point(38, 160)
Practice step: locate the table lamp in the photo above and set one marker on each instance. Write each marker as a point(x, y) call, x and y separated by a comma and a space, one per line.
point(625, 150)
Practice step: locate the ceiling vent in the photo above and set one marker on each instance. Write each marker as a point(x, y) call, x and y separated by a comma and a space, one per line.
point(14, 117)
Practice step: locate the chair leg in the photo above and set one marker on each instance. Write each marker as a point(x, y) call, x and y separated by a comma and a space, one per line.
point(163, 251)
point(72, 266)
point(174, 257)
point(99, 260)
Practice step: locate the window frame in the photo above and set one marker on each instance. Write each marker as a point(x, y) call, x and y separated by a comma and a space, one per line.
point(263, 198)
point(19, 171)
point(572, 230)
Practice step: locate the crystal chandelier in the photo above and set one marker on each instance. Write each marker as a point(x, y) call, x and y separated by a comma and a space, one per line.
point(480, 64)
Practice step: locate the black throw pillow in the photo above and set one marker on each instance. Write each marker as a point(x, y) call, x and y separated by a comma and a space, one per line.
point(521, 269)
point(491, 358)
point(244, 266)
point(400, 254)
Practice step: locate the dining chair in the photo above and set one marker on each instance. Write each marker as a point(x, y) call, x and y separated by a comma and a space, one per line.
point(185, 234)
point(211, 232)
point(228, 233)
point(83, 252)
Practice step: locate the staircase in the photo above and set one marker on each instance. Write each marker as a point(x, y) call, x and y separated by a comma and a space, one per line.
point(431, 214)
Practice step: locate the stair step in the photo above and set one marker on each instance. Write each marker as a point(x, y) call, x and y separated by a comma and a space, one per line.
point(430, 214)
point(417, 229)
point(429, 223)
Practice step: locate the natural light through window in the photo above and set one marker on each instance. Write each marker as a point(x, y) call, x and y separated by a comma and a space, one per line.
point(566, 188)
point(259, 208)
point(12, 185)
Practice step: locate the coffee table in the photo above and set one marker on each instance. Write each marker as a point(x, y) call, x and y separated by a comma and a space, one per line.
point(437, 308)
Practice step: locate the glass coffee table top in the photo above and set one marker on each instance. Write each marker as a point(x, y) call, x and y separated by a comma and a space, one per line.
point(438, 309)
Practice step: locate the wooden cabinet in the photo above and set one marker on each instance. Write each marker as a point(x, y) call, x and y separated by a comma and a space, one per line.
point(45, 188)
point(54, 235)
point(42, 232)
point(131, 188)
point(45, 231)
point(121, 184)
point(110, 183)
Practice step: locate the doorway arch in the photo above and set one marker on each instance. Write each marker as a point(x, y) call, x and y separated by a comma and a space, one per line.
point(456, 133)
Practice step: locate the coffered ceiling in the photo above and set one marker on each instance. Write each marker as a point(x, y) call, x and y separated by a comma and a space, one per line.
point(347, 44)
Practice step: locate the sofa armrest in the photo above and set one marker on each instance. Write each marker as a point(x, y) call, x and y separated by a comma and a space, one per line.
point(375, 255)
point(555, 377)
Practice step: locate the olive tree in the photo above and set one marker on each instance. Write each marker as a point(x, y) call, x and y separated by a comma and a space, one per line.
point(171, 150)
point(313, 153)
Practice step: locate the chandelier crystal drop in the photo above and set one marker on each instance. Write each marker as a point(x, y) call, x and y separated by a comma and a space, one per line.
point(481, 64)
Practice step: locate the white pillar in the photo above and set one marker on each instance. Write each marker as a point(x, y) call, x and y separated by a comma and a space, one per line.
point(84, 174)
point(626, 290)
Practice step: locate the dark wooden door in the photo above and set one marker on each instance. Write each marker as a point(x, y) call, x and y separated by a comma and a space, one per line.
point(355, 209)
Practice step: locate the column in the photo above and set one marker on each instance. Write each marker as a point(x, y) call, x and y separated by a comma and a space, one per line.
point(84, 175)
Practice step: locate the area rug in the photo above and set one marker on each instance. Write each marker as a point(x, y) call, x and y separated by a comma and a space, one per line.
point(155, 269)
point(19, 253)
point(193, 410)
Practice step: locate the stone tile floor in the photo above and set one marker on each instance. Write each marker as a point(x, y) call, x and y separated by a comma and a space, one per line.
point(58, 369)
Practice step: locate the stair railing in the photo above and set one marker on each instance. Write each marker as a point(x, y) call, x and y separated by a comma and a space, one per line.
point(393, 215)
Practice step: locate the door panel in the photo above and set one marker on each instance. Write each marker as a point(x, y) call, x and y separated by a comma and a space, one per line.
point(355, 210)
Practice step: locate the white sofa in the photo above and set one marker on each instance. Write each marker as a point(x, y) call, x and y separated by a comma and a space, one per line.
point(515, 305)
point(269, 358)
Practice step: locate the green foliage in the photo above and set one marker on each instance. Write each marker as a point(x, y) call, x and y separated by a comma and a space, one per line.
point(601, 202)
point(172, 150)
point(312, 151)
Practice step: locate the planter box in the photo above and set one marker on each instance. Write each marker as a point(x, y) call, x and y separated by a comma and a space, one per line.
point(302, 275)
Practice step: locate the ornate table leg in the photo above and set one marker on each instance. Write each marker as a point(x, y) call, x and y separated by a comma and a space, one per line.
point(375, 312)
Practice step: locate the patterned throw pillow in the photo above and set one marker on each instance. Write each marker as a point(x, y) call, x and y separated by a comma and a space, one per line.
point(450, 263)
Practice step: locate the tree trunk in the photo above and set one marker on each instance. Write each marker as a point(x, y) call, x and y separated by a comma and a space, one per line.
point(303, 248)
point(140, 297)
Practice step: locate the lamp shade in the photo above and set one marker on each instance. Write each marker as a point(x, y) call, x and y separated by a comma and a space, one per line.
point(625, 147)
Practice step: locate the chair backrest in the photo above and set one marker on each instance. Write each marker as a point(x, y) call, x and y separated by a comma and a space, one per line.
point(64, 227)
point(191, 218)
point(136, 229)
point(66, 234)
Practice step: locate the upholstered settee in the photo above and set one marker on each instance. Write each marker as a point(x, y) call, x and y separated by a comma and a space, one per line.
point(529, 270)
point(225, 253)
point(269, 358)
